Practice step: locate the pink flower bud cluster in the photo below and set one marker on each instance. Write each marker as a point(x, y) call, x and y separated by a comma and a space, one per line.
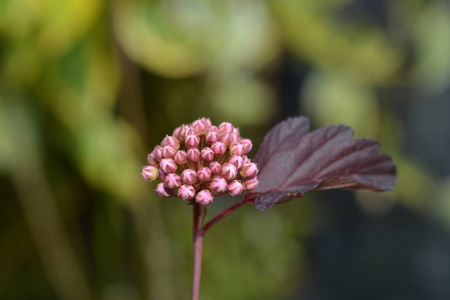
point(200, 161)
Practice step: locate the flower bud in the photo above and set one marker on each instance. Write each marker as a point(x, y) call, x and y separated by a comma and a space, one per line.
point(192, 140)
point(212, 129)
point(237, 133)
point(189, 131)
point(234, 138)
point(158, 153)
point(204, 197)
point(211, 137)
point(236, 160)
point(161, 175)
point(176, 132)
point(170, 140)
point(204, 174)
point(247, 145)
point(250, 183)
point(168, 165)
point(169, 151)
point(215, 167)
point(189, 176)
point(235, 188)
point(246, 159)
point(226, 139)
point(173, 181)
point(237, 149)
point(219, 148)
point(207, 154)
point(180, 157)
point(181, 132)
point(249, 170)
point(207, 122)
point(229, 171)
point(193, 154)
point(226, 127)
point(152, 160)
point(186, 192)
point(199, 126)
point(163, 191)
point(218, 185)
point(149, 173)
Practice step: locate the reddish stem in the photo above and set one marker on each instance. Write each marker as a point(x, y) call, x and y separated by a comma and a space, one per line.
point(199, 233)
point(222, 215)
point(199, 215)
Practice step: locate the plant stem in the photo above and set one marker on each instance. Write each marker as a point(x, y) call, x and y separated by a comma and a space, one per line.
point(223, 214)
point(199, 215)
point(199, 233)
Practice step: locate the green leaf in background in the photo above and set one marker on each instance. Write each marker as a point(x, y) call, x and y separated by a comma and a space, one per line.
point(46, 30)
point(332, 99)
point(178, 38)
point(104, 151)
point(432, 68)
point(312, 30)
point(243, 100)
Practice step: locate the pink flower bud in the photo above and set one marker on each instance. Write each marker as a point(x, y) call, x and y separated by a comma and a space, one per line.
point(186, 192)
point(249, 170)
point(169, 151)
point(229, 171)
point(250, 183)
point(226, 127)
point(207, 122)
point(236, 160)
point(207, 154)
point(189, 176)
point(152, 160)
point(176, 132)
point(234, 138)
point(204, 197)
point(215, 167)
point(226, 139)
point(237, 149)
point(163, 191)
point(158, 153)
point(219, 148)
point(193, 154)
point(235, 188)
point(199, 126)
point(170, 140)
point(246, 159)
point(204, 174)
point(168, 165)
point(180, 157)
point(247, 144)
point(173, 180)
point(181, 132)
point(211, 137)
point(192, 140)
point(189, 131)
point(149, 173)
point(212, 129)
point(237, 133)
point(218, 185)
point(204, 148)
point(161, 175)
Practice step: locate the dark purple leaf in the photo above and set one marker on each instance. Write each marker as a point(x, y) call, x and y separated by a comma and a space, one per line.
point(292, 162)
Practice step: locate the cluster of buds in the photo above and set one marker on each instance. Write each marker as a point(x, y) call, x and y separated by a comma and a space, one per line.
point(200, 161)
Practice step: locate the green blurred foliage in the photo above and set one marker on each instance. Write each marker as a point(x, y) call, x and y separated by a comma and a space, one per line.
point(88, 87)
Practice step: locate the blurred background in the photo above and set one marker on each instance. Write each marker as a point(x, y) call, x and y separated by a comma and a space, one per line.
point(89, 87)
